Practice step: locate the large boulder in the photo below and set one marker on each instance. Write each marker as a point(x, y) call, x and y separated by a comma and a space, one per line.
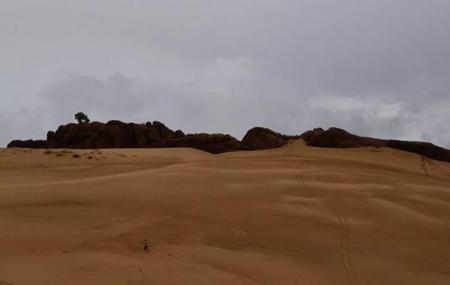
point(164, 132)
point(178, 134)
point(263, 138)
point(306, 136)
point(335, 137)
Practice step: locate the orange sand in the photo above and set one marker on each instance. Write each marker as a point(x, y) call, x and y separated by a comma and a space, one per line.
point(295, 215)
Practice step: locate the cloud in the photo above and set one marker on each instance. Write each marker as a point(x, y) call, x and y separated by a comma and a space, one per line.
point(336, 103)
point(377, 68)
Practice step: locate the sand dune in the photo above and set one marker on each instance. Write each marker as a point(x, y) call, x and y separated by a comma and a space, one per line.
point(293, 215)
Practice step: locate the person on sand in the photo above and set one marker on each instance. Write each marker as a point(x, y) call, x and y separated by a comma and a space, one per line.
point(146, 246)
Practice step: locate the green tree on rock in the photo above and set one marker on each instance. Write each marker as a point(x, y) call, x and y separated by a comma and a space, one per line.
point(81, 118)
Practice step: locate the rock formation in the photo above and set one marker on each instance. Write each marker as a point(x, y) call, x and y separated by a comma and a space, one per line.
point(338, 138)
point(263, 138)
point(117, 134)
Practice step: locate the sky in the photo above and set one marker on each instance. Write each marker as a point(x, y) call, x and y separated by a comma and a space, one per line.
point(373, 67)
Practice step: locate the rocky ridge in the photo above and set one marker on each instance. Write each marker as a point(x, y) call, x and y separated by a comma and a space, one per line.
point(117, 134)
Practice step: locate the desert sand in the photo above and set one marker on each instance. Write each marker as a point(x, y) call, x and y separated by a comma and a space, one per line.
point(293, 215)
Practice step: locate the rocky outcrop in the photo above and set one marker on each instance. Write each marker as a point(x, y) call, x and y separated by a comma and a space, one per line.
point(335, 137)
point(117, 134)
point(263, 138)
point(213, 143)
point(423, 148)
point(338, 138)
point(28, 144)
point(114, 134)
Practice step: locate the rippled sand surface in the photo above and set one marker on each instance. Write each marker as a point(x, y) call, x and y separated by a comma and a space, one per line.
point(294, 215)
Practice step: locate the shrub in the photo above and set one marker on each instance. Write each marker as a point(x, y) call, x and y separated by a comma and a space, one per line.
point(81, 118)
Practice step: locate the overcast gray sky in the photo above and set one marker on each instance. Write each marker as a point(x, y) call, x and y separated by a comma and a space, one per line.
point(374, 67)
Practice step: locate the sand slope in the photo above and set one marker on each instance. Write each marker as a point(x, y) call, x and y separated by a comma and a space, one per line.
point(294, 215)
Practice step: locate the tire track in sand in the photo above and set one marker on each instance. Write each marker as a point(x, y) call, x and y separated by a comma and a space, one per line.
point(428, 164)
point(423, 164)
point(344, 248)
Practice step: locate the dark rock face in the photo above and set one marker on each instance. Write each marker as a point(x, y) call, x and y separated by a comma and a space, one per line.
point(116, 134)
point(426, 149)
point(306, 136)
point(28, 143)
point(338, 138)
point(163, 131)
point(334, 137)
point(263, 138)
point(178, 134)
point(213, 143)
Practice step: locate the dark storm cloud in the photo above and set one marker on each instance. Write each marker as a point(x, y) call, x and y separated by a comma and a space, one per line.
point(377, 68)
